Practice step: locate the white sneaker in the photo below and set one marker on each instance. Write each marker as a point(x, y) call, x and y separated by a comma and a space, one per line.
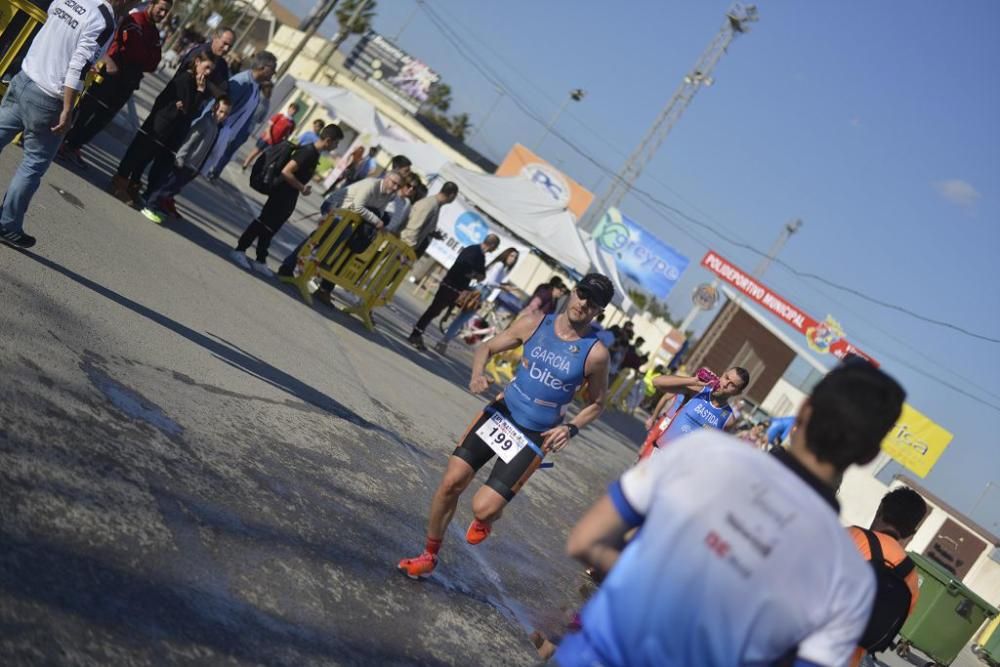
point(240, 259)
point(262, 269)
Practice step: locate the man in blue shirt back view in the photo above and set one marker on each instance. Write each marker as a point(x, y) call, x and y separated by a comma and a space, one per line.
point(741, 559)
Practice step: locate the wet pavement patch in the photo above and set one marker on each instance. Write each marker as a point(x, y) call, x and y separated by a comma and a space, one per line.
point(69, 197)
point(131, 402)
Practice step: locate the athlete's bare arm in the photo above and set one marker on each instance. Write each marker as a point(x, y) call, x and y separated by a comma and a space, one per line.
point(661, 405)
point(676, 384)
point(508, 339)
point(598, 538)
point(596, 372)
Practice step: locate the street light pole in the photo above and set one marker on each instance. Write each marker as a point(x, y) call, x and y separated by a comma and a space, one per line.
point(730, 309)
point(575, 95)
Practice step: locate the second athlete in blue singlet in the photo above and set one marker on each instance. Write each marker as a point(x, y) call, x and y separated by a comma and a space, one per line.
point(705, 407)
point(527, 421)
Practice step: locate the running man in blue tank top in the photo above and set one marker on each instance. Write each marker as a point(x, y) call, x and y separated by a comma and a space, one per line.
point(706, 406)
point(528, 420)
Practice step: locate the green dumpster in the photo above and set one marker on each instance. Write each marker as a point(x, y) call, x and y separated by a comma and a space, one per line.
point(947, 614)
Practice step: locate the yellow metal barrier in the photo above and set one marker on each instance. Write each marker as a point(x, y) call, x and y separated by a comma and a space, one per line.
point(502, 367)
point(620, 389)
point(18, 22)
point(372, 276)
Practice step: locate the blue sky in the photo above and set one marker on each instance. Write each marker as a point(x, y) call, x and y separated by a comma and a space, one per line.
point(875, 123)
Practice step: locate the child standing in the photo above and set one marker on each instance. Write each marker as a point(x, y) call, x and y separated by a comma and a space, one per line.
point(191, 157)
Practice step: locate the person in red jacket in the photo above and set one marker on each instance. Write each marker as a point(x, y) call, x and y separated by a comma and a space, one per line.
point(279, 128)
point(134, 51)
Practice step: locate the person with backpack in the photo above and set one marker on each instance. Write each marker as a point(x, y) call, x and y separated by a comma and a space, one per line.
point(279, 128)
point(190, 158)
point(896, 586)
point(285, 187)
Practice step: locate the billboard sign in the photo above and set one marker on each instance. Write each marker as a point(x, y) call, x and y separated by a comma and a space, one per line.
point(825, 337)
point(653, 266)
point(564, 190)
point(391, 70)
point(463, 227)
point(916, 442)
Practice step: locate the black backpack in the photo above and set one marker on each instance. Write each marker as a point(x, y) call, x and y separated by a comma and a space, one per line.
point(266, 171)
point(892, 598)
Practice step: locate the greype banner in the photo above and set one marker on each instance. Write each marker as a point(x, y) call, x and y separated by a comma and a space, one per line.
point(392, 70)
point(645, 260)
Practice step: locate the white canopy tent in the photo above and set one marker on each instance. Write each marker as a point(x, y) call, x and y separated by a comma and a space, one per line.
point(520, 206)
point(360, 114)
point(517, 204)
point(344, 105)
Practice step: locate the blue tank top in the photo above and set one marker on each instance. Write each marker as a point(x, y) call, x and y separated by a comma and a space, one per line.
point(550, 372)
point(698, 412)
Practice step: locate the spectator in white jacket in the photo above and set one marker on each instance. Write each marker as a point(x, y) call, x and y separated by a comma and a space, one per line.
point(39, 102)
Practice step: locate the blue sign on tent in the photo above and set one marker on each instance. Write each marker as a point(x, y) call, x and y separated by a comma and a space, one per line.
point(651, 264)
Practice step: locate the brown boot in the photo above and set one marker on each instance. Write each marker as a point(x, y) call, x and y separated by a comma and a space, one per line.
point(119, 188)
point(134, 200)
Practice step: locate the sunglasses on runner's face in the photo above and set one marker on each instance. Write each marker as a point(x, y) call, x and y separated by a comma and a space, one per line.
point(585, 294)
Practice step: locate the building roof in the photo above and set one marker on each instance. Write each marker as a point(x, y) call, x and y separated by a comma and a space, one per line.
point(976, 528)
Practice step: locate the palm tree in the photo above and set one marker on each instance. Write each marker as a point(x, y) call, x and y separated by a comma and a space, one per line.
point(439, 97)
point(459, 125)
point(361, 23)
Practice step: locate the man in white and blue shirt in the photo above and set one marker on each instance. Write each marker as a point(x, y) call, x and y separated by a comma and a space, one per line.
point(740, 558)
point(39, 102)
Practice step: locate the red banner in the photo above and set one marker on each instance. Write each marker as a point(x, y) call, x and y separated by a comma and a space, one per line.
point(825, 337)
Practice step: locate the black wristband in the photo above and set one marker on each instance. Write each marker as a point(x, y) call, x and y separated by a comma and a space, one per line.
point(573, 430)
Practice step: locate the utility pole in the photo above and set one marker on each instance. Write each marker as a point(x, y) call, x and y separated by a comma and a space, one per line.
point(321, 15)
point(342, 33)
point(246, 31)
point(738, 20)
point(730, 309)
point(575, 95)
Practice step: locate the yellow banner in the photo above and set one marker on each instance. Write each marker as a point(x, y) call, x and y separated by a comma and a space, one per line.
point(916, 442)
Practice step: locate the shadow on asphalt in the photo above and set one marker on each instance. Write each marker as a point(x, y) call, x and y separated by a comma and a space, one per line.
point(224, 351)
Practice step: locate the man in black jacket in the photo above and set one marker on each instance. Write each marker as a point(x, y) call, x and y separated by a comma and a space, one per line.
point(470, 265)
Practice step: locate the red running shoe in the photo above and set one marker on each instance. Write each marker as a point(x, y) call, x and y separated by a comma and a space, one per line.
point(478, 531)
point(418, 567)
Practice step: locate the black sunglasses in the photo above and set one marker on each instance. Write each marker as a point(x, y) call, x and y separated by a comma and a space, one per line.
point(585, 294)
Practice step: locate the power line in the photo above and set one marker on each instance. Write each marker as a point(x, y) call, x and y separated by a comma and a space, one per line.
point(461, 47)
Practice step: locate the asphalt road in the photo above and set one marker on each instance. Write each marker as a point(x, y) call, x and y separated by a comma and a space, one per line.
point(198, 468)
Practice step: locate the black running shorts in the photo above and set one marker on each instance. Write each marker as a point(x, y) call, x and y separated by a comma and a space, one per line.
point(506, 478)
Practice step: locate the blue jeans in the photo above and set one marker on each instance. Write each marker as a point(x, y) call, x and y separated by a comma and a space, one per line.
point(25, 108)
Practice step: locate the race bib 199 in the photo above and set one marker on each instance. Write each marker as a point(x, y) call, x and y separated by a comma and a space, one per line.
point(503, 437)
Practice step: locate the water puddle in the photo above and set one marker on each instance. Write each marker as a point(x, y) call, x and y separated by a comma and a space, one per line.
point(131, 402)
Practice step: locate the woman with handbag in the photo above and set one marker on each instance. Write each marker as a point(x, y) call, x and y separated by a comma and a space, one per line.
point(497, 273)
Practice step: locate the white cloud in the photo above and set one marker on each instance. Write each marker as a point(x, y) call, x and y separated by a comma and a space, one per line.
point(958, 192)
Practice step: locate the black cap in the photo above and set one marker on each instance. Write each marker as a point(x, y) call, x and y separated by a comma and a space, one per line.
point(596, 288)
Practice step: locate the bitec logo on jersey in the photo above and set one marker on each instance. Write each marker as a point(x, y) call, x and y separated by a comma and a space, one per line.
point(545, 371)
